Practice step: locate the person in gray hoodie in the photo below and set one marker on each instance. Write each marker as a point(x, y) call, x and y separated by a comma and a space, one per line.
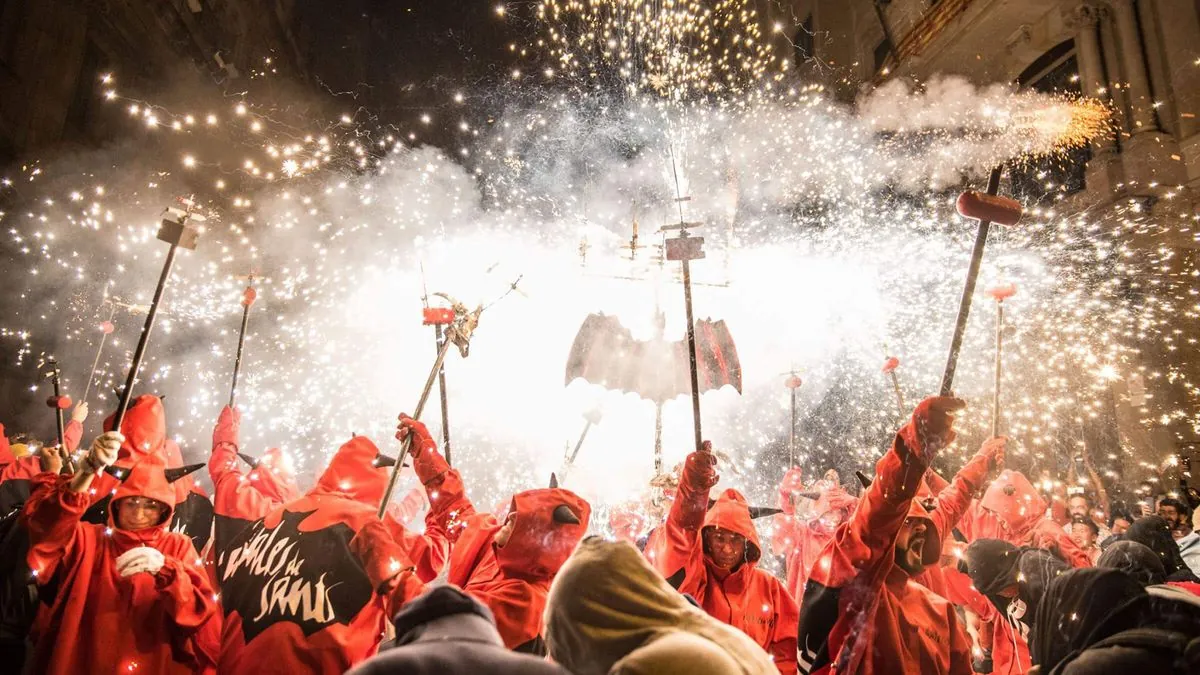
point(610, 613)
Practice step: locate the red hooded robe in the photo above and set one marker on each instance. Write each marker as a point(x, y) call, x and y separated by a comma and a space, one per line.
point(99, 622)
point(298, 597)
point(748, 599)
point(800, 541)
point(861, 613)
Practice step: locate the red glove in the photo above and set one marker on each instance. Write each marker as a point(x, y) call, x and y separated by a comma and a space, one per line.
point(382, 558)
point(226, 430)
point(994, 449)
point(700, 469)
point(421, 440)
point(793, 482)
point(932, 426)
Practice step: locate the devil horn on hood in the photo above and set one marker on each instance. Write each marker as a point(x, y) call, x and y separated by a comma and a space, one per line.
point(181, 471)
point(117, 472)
point(249, 460)
point(554, 482)
point(809, 495)
point(862, 478)
point(382, 460)
point(563, 514)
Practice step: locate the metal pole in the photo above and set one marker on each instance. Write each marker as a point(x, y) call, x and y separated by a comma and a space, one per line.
point(145, 337)
point(792, 435)
point(391, 486)
point(58, 411)
point(964, 307)
point(691, 338)
point(658, 424)
point(237, 362)
point(899, 394)
point(99, 350)
point(441, 336)
point(578, 444)
point(999, 352)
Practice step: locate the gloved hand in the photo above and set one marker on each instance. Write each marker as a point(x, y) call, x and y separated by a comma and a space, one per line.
point(382, 558)
point(228, 426)
point(994, 449)
point(80, 413)
point(421, 440)
point(700, 468)
point(140, 559)
point(932, 425)
point(103, 452)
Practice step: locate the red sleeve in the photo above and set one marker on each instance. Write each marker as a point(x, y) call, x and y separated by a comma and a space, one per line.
point(518, 610)
point(865, 544)
point(787, 623)
point(23, 467)
point(1051, 536)
point(935, 481)
point(233, 494)
point(184, 587)
point(956, 496)
point(960, 646)
point(677, 549)
point(786, 534)
point(428, 553)
point(387, 566)
point(413, 503)
point(72, 434)
point(449, 506)
point(51, 516)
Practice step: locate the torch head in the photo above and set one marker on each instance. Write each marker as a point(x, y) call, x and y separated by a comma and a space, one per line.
point(249, 296)
point(990, 208)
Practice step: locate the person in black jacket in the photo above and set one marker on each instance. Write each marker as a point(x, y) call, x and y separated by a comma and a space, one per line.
point(447, 632)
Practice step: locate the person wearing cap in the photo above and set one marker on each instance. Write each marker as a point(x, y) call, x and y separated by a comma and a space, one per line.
point(862, 611)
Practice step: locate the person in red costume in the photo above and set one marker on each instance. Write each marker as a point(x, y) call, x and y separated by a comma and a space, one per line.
point(299, 592)
point(801, 540)
point(1012, 510)
point(863, 612)
point(129, 596)
point(240, 499)
point(507, 565)
point(23, 469)
point(712, 554)
point(193, 514)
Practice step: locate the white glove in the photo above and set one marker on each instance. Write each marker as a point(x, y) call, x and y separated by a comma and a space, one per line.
point(104, 450)
point(140, 559)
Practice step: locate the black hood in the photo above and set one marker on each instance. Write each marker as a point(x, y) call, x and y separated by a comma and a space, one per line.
point(1153, 531)
point(1136, 560)
point(439, 603)
point(1083, 607)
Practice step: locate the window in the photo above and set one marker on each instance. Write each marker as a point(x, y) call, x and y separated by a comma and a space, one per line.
point(1044, 180)
point(804, 41)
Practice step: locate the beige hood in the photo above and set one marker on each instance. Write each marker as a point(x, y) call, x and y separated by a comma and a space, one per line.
point(609, 611)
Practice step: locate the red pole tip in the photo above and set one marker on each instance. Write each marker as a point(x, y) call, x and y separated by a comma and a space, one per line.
point(107, 327)
point(437, 316)
point(891, 364)
point(1002, 293)
point(992, 208)
point(60, 402)
point(249, 296)
point(793, 382)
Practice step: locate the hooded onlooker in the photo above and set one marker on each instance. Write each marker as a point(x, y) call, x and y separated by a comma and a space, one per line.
point(1136, 560)
point(610, 612)
point(1083, 607)
point(447, 632)
point(1013, 580)
point(1154, 532)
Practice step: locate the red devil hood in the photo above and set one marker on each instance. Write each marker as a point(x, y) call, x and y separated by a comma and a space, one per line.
point(352, 473)
point(144, 428)
point(539, 545)
point(731, 512)
point(1015, 501)
point(145, 479)
point(271, 478)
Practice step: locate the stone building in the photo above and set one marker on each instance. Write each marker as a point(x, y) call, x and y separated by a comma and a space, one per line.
point(1140, 56)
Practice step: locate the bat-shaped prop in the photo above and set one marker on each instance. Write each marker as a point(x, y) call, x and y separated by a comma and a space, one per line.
point(999, 294)
point(987, 209)
point(248, 297)
point(458, 333)
point(889, 369)
point(176, 229)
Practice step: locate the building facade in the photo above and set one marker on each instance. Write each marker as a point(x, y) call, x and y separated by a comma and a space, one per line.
point(1141, 57)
